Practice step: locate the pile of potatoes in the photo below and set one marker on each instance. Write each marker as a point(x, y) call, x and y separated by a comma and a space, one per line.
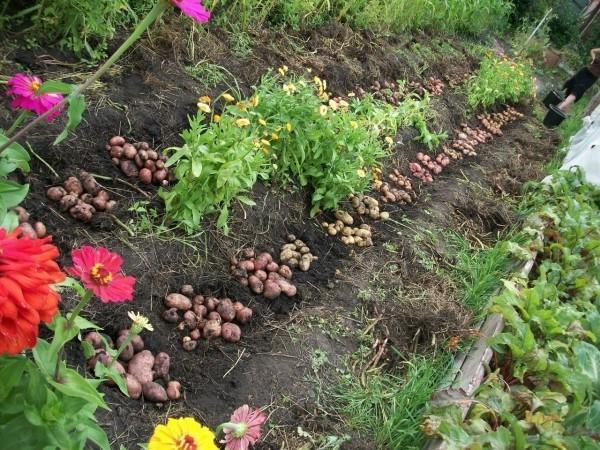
point(138, 160)
point(204, 317)
point(466, 140)
point(262, 275)
point(37, 231)
point(435, 86)
point(455, 80)
point(81, 196)
point(397, 190)
point(364, 205)
point(387, 91)
point(296, 254)
point(495, 121)
point(144, 372)
point(360, 236)
point(420, 172)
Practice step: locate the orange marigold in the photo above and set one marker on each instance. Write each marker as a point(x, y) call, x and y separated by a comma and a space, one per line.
point(27, 273)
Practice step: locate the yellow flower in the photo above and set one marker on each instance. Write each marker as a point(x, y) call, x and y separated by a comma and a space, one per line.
point(323, 110)
point(265, 151)
point(205, 99)
point(389, 140)
point(289, 88)
point(289, 127)
point(265, 143)
point(263, 122)
point(361, 173)
point(254, 100)
point(242, 122)
point(182, 434)
point(274, 136)
point(140, 322)
point(216, 118)
point(333, 105)
point(351, 94)
point(228, 97)
point(283, 70)
point(353, 124)
point(317, 81)
point(203, 107)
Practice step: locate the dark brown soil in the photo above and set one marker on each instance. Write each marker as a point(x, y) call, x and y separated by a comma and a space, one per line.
point(148, 98)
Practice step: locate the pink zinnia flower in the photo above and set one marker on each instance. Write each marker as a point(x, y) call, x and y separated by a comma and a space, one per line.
point(244, 428)
point(24, 91)
point(100, 271)
point(193, 9)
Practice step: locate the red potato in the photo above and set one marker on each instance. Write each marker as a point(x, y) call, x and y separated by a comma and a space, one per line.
point(134, 387)
point(28, 230)
point(201, 323)
point(255, 284)
point(117, 140)
point(198, 300)
point(200, 311)
point(179, 301)
point(159, 164)
point(94, 338)
point(129, 151)
point(214, 315)
point(261, 275)
point(248, 266)
point(195, 334)
point(141, 365)
point(154, 392)
point(237, 306)
point(231, 332)
point(287, 288)
point(174, 390)
point(243, 315)
point(226, 310)
point(212, 329)
point(190, 319)
point(56, 193)
point(67, 202)
point(152, 154)
point(187, 290)
point(145, 176)
point(143, 154)
point(271, 289)
point(248, 253)
point(22, 214)
point(243, 281)
point(160, 175)
point(162, 364)
point(138, 344)
point(285, 272)
point(171, 315)
point(116, 151)
point(272, 267)
point(150, 165)
point(89, 183)
point(262, 260)
point(128, 168)
point(211, 303)
point(82, 211)
point(73, 186)
point(128, 352)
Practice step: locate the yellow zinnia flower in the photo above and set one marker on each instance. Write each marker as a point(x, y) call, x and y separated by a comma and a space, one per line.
point(263, 122)
point(182, 434)
point(265, 143)
point(205, 99)
point(353, 125)
point(216, 118)
point(228, 97)
point(274, 136)
point(283, 70)
point(242, 122)
point(361, 173)
point(289, 88)
point(255, 100)
point(203, 107)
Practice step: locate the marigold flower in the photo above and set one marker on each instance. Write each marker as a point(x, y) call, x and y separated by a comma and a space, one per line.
point(205, 99)
point(216, 118)
point(182, 434)
point(289, 88)
point(323, 110)
point(254, 100)
point(283, 70)
point(242, 122)
point(100, 271)
point(24, 92)
point(361, 173)
point(27, 273)
point(244, 428)
point(228, 97)
point(263, 122)
point(274, 136)
point(194, 9)
point(203, 107)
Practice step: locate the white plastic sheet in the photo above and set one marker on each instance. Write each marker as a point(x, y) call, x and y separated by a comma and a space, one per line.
point(584, 149)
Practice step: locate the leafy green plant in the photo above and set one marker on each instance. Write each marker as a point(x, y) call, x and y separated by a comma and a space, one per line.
point(12, 193)
point(500, 80)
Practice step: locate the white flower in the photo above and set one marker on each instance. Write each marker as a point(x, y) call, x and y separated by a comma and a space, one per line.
point(140, 321)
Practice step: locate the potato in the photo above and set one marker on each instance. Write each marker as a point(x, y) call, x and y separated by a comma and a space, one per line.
point(195, 334)
point(67, 202)
point(117, 140)
point(200, 311)
point(154, 392)
point(248, 266)
point(73, 186)
point(214, 315)
point(22, 214)
point(198, 300)
point(248, 253)
point(189, 344)
point(187, 290)
point(272, 267)
point(285, 272)
point(226, 310)
point(138, 343)
point(211, 304)
point(160, 175)
point(162, 363)
point(287, 288)
point(56, 193)
point(129, 168)
point(152, 155)
point(28, 231)
point(243, 315)
point(231, 332)
point(261, 275)
point(143, 154)
point(134, 387)
point(212, 329)
point(344, 216)
point(237, 306)
point(94, 338)
point(99, 203)
point(129, 151)
point(145, 176)
point(89, 183)
point(190, 319)
point(128, 352)
point(159, 164)
point(141, 365)
point(256, 285)
point(304, 264)
point(293, 262)
point(179, 301)
point(174, 390)
point(150, 165)
point(171, 315)
point(271, 289)
point(82, 211)
point(116, 151)
point(286, 254)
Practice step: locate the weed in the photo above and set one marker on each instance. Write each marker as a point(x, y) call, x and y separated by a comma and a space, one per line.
point(207, 73)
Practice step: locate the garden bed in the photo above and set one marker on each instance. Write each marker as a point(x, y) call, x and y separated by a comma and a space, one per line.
point(147, 98)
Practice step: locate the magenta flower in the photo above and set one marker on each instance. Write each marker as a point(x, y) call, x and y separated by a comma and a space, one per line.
point(244, 428)
point(24, 92)
point(193, 9)
point(100, 271)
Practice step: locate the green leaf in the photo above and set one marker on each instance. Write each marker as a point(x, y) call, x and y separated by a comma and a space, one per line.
point(10, 221)
point(587, 363)
point(102, 371)
point(245, 200)
point(12, 193)
point(44, 359)
point(75, 114)
point(11, 371)
point(62, 334)
point(88, 349)
point(74, 385)
point(84, 324)
point(55, 86)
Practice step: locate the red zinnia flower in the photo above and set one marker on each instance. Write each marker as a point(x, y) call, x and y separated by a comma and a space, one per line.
point(24, 91)
point(193, 9)
point(27, 273)
point(244, 428)
point(100, 271)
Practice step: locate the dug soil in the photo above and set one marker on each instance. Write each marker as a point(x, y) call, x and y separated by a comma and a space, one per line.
point(148, 97)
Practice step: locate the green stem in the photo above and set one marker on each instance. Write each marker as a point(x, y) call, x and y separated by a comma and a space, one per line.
point(132, 333)
point(20, 118)
point(42, 160)
point(232, 426)
point(158, 8)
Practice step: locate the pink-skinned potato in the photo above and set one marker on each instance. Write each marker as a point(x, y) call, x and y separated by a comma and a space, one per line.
point(56, 193)
point(134, 387)
point(128, 352)
point(138, 344)
point(212, 329)
point(272, 290)
point(179, 301)
point(174, 390)
point(214, 315)
point(255, 284)
point(231, 332)
point(287, 288)
point(117, 140)
point(154, 392)
point(141, 366)
point(200, 311)
point(243, 315)
point(162, 364)
point(94, 338)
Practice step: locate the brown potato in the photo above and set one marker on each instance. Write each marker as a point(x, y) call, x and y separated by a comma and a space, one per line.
point(82, 211)
point(200, 310)
point(174, 390)
point(231, 332)
point(212, 329)
point(171, 315)
point(94, 338)
point(138, 161)
point(271, 289)
point(162, 364)
point(150, 165)
point(143, 154)
point(129, 168)
point(134, 387)
point(187, 290)
point(28, 231)
point(56, 193)
point(160, 175)
point(117, 140)
point(73, 186)
point(110, 205)
point(116, 151)
point(129, 151)
point(243, 315)
point(21, 213)
point(154, 392)
point(152, 154)
point(189, 344)
point(141, 365)
point(89, 183)
point(178, 301)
